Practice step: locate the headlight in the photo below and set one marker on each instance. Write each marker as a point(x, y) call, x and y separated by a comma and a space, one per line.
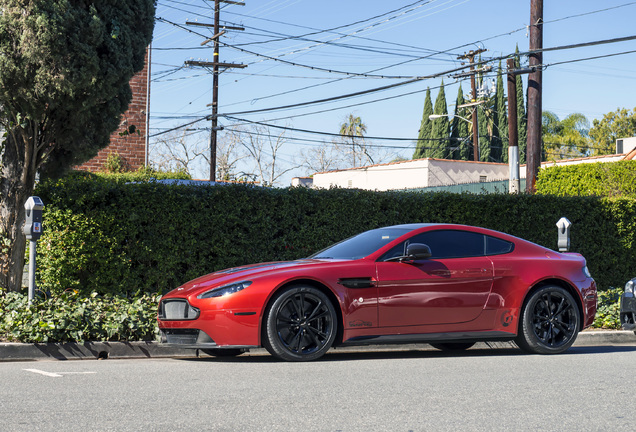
point(629, 287)
point(586, 272)
point(225, 290)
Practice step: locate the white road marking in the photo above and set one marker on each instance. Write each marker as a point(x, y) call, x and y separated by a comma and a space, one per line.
point(56, 375)
point(48, 374)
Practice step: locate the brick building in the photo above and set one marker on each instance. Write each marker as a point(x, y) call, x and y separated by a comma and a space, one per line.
point(129, 140)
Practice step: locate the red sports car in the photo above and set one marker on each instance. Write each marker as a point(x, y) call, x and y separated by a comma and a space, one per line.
point(444, 284)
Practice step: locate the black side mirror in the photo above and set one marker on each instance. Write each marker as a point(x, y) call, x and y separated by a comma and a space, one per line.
point(418, 251)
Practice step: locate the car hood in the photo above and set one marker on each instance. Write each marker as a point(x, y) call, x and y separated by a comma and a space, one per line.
point(242, 273)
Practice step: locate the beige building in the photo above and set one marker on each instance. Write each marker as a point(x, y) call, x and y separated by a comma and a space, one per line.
point(425, 173)
point(411, 174)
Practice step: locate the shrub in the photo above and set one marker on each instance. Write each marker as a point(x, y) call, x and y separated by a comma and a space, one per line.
point(608, 309)
point(72, 317)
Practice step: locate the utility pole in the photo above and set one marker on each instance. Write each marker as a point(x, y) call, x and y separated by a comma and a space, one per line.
point(215, 75)
point(513, 132)
point(534, 94)
point(471, 58)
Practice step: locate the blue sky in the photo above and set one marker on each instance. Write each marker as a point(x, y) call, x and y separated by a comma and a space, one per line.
point(419, 38)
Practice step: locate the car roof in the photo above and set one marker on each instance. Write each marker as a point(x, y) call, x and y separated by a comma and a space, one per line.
point(417, 226)
point(412, 226)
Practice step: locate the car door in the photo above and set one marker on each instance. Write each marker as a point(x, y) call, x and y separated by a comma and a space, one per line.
point(450, 287)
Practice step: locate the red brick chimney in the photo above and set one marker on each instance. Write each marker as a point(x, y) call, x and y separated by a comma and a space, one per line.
point(129, 140)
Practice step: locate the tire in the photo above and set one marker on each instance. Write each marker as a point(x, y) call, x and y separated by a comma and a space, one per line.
point(221, 352)
point(300, 324)
point(550, 321)
point(452, 346)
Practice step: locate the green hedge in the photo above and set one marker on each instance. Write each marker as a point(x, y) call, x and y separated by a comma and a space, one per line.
point(609, 179)
point(118, 237)
point(73, 317)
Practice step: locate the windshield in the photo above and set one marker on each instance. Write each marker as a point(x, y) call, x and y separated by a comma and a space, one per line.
point(361, 245)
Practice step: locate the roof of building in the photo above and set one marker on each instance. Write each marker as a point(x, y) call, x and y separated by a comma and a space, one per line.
point(631, 155)
point(409, 161)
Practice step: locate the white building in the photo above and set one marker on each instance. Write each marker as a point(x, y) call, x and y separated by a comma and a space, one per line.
point(411, 174)
point(424, 173)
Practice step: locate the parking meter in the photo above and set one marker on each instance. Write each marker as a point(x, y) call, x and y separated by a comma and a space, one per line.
point(564, 234)
point(32, 230)
point(33, 218)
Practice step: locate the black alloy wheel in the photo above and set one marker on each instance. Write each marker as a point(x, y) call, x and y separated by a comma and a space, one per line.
point(300, 325)
point(550, 321)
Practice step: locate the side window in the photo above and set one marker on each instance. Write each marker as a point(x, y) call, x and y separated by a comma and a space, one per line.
point(495, 246)
point(452, 243)
point(446, 244)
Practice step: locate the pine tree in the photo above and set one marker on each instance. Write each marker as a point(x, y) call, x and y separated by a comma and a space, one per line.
point(65, 68)
point(522, 119)
point(461, 139)
point(441, 127)
point(500, 131)
point(423, 138)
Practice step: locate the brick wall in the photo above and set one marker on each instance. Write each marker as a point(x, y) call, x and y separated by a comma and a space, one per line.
point(129, 140)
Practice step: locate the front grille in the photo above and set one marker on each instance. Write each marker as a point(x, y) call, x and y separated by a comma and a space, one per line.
point(177, 309)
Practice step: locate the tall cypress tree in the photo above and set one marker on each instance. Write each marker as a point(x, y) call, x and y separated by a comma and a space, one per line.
point(441, 127)
point(461, 140)
point(484, 122)
point(522, 118)
point(500, 131)
point(426, 126)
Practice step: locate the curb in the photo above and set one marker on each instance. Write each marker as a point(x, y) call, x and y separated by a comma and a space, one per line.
point(88, 351)
point(140, 350)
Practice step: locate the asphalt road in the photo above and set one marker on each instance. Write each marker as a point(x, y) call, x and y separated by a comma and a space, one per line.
point(587, 388)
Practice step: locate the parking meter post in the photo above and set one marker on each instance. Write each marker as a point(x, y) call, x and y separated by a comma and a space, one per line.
point(32, 230)
point(32, 251)
point(564, 226)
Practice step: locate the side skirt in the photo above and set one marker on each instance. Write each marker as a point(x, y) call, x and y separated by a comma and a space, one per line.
point(431, 337)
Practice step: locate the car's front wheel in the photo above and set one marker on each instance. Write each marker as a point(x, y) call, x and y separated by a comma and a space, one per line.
point(550, 321)
point(300, 324)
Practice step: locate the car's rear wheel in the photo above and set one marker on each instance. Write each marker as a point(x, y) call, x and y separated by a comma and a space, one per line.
point(300, 324)
point(452, 346)
point(220, 352)
point(550, 321)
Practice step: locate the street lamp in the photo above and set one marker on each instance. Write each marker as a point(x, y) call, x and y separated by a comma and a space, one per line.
point(436, 116)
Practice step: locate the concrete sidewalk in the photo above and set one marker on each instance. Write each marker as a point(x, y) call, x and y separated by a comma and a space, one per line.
point(129, 350)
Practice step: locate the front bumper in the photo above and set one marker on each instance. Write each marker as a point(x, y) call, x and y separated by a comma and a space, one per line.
point(628, 312)
point(193, 339)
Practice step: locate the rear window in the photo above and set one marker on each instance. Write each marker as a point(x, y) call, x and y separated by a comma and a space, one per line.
point(496, 246)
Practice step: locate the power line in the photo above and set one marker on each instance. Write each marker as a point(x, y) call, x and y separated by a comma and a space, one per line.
point(581, 45)
point(382, 99)
point(615, 40)
point(333, 71)
point(325, 133)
